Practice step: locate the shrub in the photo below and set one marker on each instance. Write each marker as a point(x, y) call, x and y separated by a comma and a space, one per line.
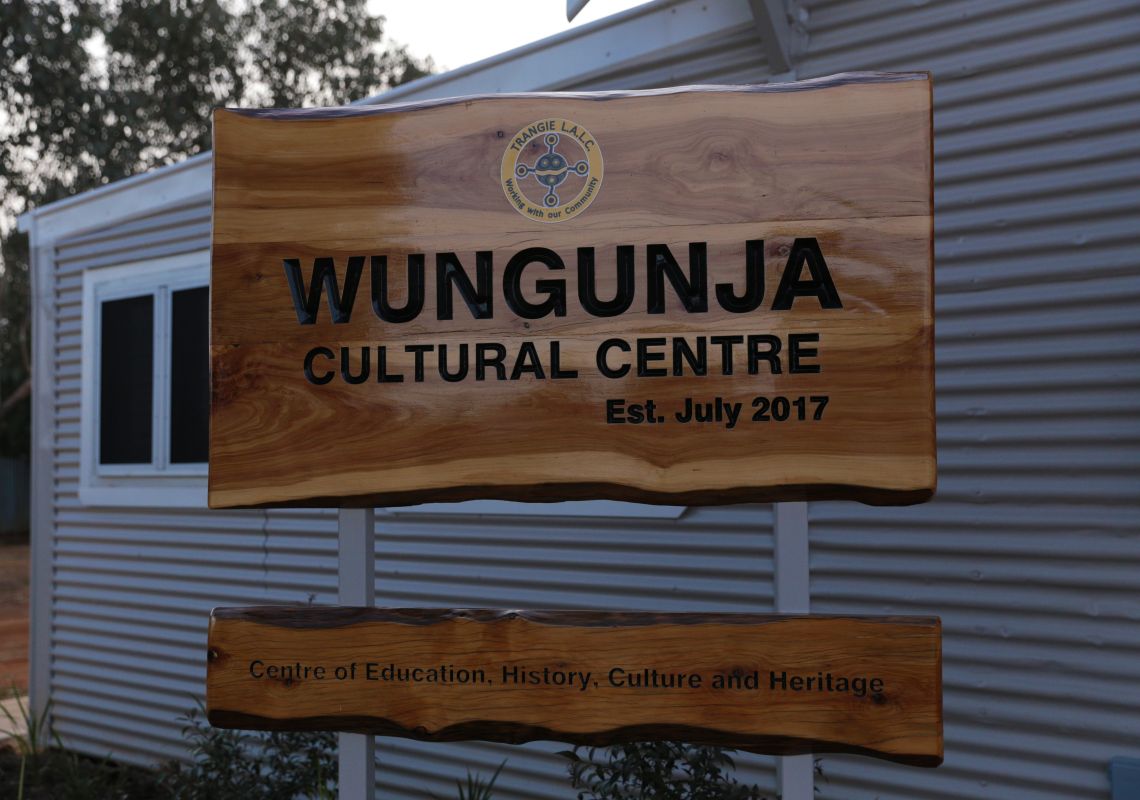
point(246, 765)
point(33, 766)
point(660, 770)
point(476, 787)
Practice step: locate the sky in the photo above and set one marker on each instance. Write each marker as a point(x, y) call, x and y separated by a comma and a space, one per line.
point(458, 32)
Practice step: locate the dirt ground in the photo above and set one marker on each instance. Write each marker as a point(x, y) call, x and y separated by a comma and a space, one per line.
point(13, 616)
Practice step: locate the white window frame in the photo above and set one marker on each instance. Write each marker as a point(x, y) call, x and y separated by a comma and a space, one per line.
point(159, 483)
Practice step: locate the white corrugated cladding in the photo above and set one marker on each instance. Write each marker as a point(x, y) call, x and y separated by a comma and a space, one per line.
point(710, 559)
point(1030, 551)
point(132, 588)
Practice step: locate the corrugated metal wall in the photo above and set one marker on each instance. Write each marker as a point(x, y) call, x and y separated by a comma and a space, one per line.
point(130, 586)
point(734, 57)
point(710, 559)
point(1031, 550)
point(133, 587)
point(706, 560)
point(1030, 553)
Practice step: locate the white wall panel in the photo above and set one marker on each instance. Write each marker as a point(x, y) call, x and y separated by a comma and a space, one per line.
point(132, 588)
point(1030, 552)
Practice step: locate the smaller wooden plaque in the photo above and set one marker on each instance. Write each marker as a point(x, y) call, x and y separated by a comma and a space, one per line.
point(764, 683)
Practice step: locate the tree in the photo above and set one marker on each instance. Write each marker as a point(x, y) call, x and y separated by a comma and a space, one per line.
point(91, 92)
point(15, 349)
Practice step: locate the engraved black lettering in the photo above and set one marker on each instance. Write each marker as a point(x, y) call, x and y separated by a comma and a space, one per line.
point(820, 285)
point(726, 343)
point(555, 290)
point(692, 290)
point(588, 284)
point(449, 272)
point(419, 350)
point(753, 282)
point(365, 365)
point(312, 377)
point(461, 372)
point(603, 366)
point(528, 361)
point(763, 347)
point(382, 374)
point(698, 361)
point(490, 355)
point(797, 352)
point(307, 302)
point(556, 371)
point(380, 294)
point(645, 356)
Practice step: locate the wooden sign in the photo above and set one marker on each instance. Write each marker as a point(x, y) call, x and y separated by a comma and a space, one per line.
point(769, 684)
point(702, 295)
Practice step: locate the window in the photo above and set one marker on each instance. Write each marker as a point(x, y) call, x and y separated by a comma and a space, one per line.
point(145, 402)
point(190, 375)
point(126, 391)
point(146, 378)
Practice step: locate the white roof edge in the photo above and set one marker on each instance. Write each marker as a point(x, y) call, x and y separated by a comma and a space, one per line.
point(433, 82)
point(667, 19)
point(61, 218)
point(25, 221)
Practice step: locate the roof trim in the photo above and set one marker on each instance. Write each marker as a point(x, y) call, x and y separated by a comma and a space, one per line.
point(821, 82)
point(550, 63)
point(147, 191)
point(573, 55)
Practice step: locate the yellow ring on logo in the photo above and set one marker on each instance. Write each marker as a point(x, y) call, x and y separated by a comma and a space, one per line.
point(589, 167)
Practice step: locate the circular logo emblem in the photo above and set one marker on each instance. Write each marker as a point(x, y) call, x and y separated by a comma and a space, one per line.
point(552, 170)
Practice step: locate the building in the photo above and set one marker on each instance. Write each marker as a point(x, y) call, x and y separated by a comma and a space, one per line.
point(1030, 552)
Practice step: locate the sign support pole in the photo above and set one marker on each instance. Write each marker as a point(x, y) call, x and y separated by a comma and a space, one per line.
point(356, 581)
point(795, 774)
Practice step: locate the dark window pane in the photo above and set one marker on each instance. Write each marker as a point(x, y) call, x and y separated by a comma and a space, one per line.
point(189, 375)
point(126, 376)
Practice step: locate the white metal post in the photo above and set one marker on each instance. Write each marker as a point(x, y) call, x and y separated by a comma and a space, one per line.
point(793, 596)
point(356, 581)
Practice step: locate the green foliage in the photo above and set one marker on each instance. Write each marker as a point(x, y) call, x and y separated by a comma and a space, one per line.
point(30, 734)
point(34, 767)
point(226, 765)
point(31, 731)
point(242, 765)
point(661, 770)
point(15, 349)
point(93, 91)
point(63, 775)
point(475, 788)
point(289, 66)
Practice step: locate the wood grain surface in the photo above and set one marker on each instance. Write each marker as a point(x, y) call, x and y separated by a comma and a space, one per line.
point(843, 162)
point(515, 676)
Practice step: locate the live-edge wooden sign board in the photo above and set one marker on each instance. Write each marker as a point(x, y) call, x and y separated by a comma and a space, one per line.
point(693, 296)
point(684, 296)
point(772, 684)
